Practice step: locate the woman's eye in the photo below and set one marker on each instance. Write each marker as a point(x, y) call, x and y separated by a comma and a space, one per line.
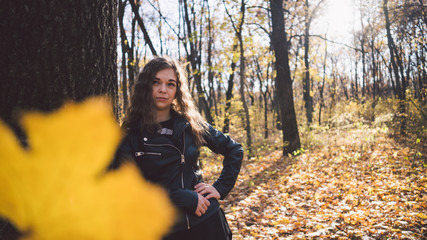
point(171, 84)
point(155, 83)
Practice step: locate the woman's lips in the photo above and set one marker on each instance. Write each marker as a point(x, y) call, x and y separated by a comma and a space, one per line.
point(161, 99)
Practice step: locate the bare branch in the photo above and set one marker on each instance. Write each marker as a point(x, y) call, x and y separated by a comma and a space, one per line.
point(331, 41)
point(142, 26)
point(165, 19)
point(260, 27)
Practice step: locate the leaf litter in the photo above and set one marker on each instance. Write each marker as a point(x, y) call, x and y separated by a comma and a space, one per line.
point(358, 184)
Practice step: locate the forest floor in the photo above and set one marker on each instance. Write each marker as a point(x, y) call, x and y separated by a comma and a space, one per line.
point(359, 183)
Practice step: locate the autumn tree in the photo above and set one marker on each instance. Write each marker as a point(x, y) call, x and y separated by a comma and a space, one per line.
point(308, 99)
point(201, 34)
point(135, 10)
point(194, 53)
point(238, 29)
point(229, 92)
point(322, 86)
point(395, 62)
point(291, 141)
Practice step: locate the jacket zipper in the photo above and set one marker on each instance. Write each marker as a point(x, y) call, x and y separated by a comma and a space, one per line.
point(137, 154)
point(182, 163)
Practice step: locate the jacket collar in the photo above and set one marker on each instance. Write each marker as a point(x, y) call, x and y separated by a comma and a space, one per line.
point(179, 123)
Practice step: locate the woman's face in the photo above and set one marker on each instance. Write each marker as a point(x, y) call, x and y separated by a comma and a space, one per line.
point(164, 89)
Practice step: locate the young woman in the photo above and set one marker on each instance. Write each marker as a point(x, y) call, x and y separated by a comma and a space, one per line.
point(164, 131)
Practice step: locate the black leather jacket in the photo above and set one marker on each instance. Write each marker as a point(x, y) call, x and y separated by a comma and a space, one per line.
point(176, 168)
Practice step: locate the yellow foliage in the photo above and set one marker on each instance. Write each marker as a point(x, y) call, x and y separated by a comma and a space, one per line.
point(422, 216)
point(59, 189)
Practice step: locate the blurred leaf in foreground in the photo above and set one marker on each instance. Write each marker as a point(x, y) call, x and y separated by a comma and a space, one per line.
point(58, 188)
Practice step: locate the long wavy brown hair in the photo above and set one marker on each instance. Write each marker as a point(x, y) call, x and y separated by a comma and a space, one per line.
point(141, 111)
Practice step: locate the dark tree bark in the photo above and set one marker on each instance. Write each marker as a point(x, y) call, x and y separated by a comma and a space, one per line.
point(307, 83)
point(291, 140)
point(322, 87)
point(242, 71)
point(52, 52)
point(229, 94)
point(344, 87)
point(133, 55)
point(356, 76)
point(308, 100)
point(211, 98)
point(393, 53)
point(396, 63)
point(374, 71)
point(333, 86)
point(264, 93)
point(422, 77)
point(362, 47)
point(125, 53)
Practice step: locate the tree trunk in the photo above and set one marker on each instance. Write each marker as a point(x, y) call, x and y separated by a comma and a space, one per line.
point(333, 93)
point(194, 57)
point(393, 56)
point(344, 87)
point(229, 93)
point(242, 73)
point(308, 100)
point(211, 97)
point(374, 71)
point(322, 87)
point(125, 51)
point(263, 93)
point(263, 96)
point(133, 69)
point(52, 52)
point(356, 85)
point(147, 38)
point(265, 115)
point(291, 140)
point(238, 31)
point(362, 47)
point(421, 77)
point(392, 50)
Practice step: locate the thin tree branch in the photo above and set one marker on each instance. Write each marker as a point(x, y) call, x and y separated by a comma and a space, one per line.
point(165, 19)
point(261, 27)
point(229, 15)
point(261, 7)
point(332, 41)
point(142, 26)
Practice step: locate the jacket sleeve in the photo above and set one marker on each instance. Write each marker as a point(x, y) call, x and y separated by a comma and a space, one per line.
point(233, 155)
point(184, 198)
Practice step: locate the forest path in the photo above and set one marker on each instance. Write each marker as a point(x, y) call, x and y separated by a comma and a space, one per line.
point(358, 184)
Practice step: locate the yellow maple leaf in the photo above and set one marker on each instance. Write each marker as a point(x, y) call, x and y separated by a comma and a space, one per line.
point(58, 188)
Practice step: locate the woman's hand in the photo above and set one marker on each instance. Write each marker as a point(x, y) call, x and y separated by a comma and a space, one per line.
point(202, 205)
point(203, 189)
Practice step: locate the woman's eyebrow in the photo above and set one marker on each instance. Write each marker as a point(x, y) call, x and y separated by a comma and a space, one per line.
point(171, 80)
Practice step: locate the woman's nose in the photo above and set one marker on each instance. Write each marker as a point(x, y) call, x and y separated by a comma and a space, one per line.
point(162, 88)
